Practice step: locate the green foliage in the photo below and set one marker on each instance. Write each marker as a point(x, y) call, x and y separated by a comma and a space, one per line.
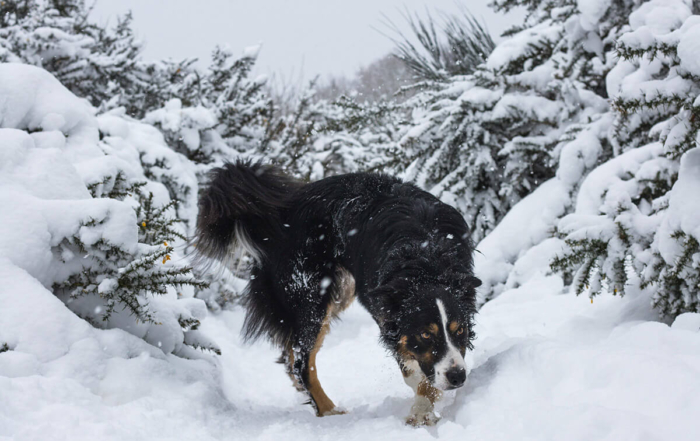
point(589, 256)
point(100, 64)
point(154, 224)
point(460, 45)
point(289, 139)
point(679, 282)
point(623, 247)
point(114, 187)
point(119, 276)
point(123, 278)
point(240, 103)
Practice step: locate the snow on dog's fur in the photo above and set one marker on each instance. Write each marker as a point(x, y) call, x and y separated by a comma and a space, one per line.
point(405, 255)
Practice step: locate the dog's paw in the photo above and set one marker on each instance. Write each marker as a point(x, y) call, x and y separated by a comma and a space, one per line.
point(422, 419)
point(335, 411)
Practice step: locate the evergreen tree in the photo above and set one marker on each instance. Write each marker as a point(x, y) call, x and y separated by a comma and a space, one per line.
point(102, 65)
point(489, 134)
point(241, 104)
point(112, 282)
point(217, 116)
point(637, 236)
point(321, 138)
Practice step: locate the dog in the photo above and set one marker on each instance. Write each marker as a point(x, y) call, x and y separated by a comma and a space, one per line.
point(406, 257)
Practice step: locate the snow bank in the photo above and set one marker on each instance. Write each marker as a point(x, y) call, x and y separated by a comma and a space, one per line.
point(527, 224)
point(548, 367)
point(683, 206)
point(35, 100)
point(54, 173)
point(63, 379)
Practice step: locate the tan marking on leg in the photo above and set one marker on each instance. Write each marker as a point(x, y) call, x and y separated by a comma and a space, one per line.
point(324, 405)
point(344, 293)
point(425, 389)
point(341, 298)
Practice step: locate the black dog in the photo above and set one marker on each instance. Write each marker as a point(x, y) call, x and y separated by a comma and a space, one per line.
point(404, 254)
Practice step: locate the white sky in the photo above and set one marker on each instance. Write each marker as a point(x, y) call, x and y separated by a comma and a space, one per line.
point(308, 36)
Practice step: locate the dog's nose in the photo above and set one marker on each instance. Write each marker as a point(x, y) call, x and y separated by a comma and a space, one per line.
point(456, 377)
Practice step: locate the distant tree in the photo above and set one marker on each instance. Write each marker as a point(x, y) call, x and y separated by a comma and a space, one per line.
point(378, 81)
point(100, 64)
point(438, 51)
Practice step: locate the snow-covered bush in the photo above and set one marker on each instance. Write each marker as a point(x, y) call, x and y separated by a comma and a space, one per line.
point(487, 136)
point(83, 218)
point(343, 136)
point(100, 64)
point(635, 221)
point(227, 112)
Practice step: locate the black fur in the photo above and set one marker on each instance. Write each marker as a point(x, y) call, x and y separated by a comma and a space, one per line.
point(402, 245)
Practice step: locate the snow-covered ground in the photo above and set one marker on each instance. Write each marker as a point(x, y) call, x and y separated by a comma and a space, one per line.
point(548, 366)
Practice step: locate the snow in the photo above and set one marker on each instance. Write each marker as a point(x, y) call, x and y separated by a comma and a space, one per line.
point(547, 366)
point(512, 48)
point(689, 45)
point(683, 208)
point(31, 99)
point(661, 15)
point(50, 151)
point(527, 224)
point(538, 107)
point(594, 188)
point(592, 11)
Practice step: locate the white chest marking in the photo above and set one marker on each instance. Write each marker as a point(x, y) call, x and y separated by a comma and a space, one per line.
point(452, 358)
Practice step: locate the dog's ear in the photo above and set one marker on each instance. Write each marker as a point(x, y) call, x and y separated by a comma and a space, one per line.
point(384, 306)
point(473, 282)
point(461, 281)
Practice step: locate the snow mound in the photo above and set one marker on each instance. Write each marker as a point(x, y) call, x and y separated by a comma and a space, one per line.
point(547, 366)
point(55, 173)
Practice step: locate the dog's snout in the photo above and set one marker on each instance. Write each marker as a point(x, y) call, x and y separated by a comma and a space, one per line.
point(456, 376)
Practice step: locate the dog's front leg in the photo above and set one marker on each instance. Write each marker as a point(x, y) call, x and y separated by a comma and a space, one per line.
point(422, 411)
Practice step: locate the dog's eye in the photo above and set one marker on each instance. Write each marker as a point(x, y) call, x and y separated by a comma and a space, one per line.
point(460, 331)
point(425, 335)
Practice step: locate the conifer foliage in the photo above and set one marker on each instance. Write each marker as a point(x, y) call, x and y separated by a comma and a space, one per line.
point(592, 104)
point(102, 65)
point(646, 232)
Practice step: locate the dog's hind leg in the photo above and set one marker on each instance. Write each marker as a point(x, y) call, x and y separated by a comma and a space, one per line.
point(301, 363)
point(312, 328)
point(287, 359)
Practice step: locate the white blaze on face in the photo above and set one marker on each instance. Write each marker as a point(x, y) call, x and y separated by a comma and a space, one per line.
point(452, 359)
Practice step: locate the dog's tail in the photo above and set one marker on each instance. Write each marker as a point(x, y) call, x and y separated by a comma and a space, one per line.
point(242, 207)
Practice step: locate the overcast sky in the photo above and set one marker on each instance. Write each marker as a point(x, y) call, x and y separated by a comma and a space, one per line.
point(316, 36)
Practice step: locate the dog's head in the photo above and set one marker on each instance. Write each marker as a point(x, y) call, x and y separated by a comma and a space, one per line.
point(430, 328)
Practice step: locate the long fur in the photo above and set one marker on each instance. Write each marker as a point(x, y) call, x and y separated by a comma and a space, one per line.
point(401, 244)
point(241, 207)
